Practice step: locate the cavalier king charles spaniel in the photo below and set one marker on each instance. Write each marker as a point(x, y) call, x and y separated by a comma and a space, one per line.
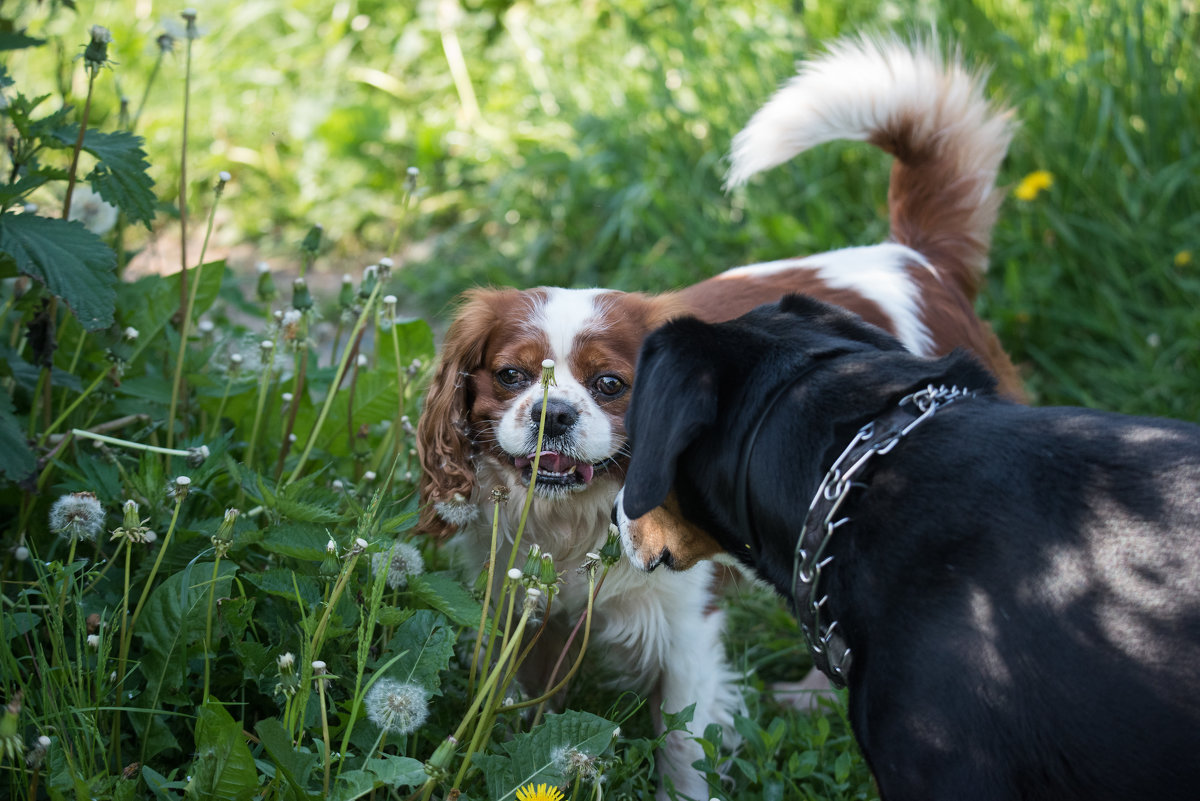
point(661, 633)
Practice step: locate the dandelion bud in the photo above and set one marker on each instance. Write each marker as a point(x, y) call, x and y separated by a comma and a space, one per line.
point(319, 668)
point(266, 346)
point(10, 737)
point(235, 363)
point(37, 755)
point(285, 662)
point(301, 299)
point(610, 554)
point(165, 42)
point(398, 707)
point(205, 326)
point(361, 361)
point(369, 280)
point(515, 574)
point(95, 55)
point(77, 516)
point(196, 456)
point(533, 562)
point(547, 372)
point(346, 293)
point(436, 766)
point(223, 538)
point(265, 290)
point(385, 268)
point(547, 575)
point(222, 179)
point(312, 240)
point(410, 179)
point(337, 485)
point(329, 567)
point(189, 16)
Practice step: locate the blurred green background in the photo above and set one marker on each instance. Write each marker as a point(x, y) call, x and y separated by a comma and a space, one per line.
point(583, 143)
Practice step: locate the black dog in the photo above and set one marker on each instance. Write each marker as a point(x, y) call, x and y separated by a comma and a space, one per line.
point(1011, 594)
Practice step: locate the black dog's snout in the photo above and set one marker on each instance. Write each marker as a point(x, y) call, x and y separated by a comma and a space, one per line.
point(613, 515)
point(560, 416)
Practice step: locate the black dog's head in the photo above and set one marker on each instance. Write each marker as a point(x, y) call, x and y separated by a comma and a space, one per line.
point(703, 388)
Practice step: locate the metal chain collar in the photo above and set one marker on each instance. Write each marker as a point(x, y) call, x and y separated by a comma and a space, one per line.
point(827, 643)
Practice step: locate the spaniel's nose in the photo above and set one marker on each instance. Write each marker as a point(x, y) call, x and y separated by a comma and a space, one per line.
point(560, 416)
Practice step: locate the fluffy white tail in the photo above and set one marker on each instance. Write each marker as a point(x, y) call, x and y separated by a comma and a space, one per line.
point(927, 111)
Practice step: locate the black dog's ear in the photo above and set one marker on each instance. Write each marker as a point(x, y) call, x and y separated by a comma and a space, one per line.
point(838, 321)
point(674, 401)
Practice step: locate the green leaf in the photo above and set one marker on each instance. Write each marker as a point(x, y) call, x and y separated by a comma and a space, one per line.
point(10, 40)
point(529, 758)
point(294, 766)
point(427, 643)
point(390, 771)
point(148, 303)
point(447, 595)
point(285, 583)
point(120, 175)
point(173, 617)
point(16, 457)
point(305, 541)
point(224, 768)
point(70, 260)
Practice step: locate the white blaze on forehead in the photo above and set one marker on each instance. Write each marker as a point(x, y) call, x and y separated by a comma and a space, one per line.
point(878, 273)
point(563, 316)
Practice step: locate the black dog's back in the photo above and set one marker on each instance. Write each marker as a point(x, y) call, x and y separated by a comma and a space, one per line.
point(1040, 584)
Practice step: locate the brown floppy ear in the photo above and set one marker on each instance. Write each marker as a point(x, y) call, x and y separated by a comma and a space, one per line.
point(443, 435)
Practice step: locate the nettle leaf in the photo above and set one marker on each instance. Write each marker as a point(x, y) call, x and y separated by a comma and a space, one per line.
point(16, 457)
point(224, 768)
point(70, 260)
point(284, 583)
point(172, 619)
point(447, 595)
point(304, 541)
point(148, 303)
point(120, 175)
point(530, 757)
point(427, 642)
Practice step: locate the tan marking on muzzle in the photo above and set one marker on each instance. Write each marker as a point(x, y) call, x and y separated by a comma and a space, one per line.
point(662, 535)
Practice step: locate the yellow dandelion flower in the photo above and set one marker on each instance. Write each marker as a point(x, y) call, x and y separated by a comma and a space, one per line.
point(1183, 258)
point(1033, 184)
point(543, 792)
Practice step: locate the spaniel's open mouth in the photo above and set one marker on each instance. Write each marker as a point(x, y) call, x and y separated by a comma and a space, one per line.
point(555, 470)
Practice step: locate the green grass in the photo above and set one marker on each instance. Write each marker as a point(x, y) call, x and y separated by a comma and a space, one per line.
point(595, 157)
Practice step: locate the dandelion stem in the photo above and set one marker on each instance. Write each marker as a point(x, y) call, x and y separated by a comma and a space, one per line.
point(183, 259)
point(487, 597)
point(337, 381)
point(212, 591)
point(124, 443)
point(185, 324)
point(263, 384)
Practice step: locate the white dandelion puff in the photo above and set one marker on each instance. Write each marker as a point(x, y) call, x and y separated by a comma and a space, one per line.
point(77, 516)
point(397, 706)
point(406, 561)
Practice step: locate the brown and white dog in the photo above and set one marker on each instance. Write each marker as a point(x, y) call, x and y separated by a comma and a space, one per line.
point(479, 427)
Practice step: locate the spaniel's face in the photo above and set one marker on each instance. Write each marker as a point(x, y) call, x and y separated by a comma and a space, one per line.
point(488, 400)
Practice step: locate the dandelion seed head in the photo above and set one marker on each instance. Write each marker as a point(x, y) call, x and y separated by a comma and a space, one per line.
point(361, 361)
point(406, 561)
point(262, 268)
point(286, 661)
point(573, 763)
point(21, 553)
point(224, 177)
point(205, 326)
point(369, 476)
point(396, 706)
point(93, 641)
point(97, 215)
point(77, 516)
point(131, 333)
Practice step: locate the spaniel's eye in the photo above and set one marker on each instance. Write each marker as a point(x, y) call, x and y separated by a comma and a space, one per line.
point(511, 377)
point(609, 385)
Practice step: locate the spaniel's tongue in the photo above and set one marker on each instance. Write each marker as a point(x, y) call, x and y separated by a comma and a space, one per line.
point(554, 462)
